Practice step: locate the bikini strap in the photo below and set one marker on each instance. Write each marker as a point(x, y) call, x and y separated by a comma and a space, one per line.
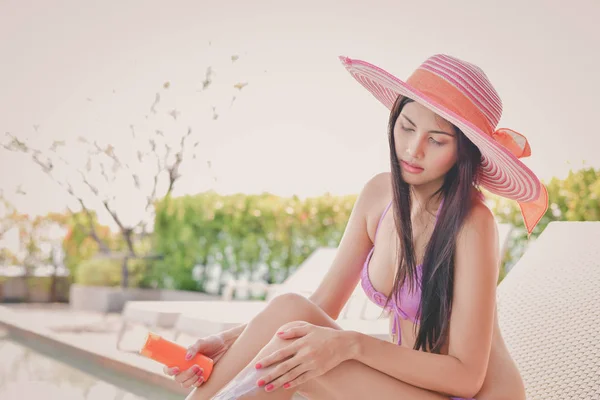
point(381, 218)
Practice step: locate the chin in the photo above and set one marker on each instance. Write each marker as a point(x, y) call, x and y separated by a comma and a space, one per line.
point(414, 180)
point(421, 180)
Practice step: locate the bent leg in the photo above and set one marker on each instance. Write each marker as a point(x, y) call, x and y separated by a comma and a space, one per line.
point(351, 380)
point(258, 333)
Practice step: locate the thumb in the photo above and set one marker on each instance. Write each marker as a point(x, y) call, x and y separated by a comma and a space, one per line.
point(194, 349)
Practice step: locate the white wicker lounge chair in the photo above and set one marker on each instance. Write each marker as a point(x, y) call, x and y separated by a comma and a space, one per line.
point(549, 312)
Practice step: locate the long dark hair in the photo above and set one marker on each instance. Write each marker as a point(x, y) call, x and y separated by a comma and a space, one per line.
point(458, 190)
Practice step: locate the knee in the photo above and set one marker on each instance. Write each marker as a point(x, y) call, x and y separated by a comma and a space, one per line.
point(292, 303)
point(288, 307)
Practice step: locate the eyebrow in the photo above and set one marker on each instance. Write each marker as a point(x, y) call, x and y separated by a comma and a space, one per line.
point(438, 132)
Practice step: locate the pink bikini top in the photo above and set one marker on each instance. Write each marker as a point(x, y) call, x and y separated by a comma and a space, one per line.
point(409, 300)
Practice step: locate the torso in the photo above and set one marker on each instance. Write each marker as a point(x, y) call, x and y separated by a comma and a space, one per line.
point(503, 380)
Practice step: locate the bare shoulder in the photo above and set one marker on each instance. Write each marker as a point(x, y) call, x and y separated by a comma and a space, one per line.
point(379, 186)
point(480, 219)
point(376, 194)
point(479, 231)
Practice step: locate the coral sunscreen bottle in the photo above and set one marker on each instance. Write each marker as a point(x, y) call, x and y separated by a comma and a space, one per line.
point(172, 355)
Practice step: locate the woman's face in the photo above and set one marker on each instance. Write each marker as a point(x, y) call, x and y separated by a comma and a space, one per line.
point(425, 145)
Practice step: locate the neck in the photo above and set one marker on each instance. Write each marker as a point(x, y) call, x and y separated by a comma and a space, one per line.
point(421, 198)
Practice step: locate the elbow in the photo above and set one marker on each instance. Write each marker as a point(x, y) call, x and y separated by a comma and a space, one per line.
point(472, 385)
point(468, 382)
point(465, 391)
point(469, 392)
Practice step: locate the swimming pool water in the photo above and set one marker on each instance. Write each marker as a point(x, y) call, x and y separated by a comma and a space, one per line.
point(30, 372)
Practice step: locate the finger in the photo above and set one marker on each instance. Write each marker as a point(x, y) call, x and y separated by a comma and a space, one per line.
point(302, 378)
point(170, 371)
point(194, 349)
point(280, 370)
point(295, 332)
point(191, 381)
point(277, 356)
point(289, 376)
point(200, 381)
point(187, 374)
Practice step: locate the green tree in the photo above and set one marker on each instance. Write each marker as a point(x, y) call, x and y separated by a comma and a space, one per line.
point(39, 237)
point(81, 243)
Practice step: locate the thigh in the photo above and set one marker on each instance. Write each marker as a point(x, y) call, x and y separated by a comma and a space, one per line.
point(352, 380)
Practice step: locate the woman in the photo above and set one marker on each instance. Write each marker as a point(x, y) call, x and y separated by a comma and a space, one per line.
point(424, 247)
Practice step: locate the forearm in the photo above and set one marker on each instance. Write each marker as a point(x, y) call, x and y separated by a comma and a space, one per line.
point(436, 372)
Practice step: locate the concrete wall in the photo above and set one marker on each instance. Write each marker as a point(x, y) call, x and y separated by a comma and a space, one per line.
point(14, 289)
point(93, 298)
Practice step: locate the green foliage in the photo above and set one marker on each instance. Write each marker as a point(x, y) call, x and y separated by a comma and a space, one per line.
point(78, 245)
point(100, 271)
point(242, 232)
point(575, 198)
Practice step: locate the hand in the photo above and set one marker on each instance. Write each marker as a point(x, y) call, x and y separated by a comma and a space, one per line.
point(213, 346)
point(318, 350)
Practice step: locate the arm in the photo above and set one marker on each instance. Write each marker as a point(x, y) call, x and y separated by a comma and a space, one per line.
point(462, 371)
point(343, 275)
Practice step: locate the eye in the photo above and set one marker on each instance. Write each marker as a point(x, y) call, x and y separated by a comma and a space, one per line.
point(432, 140)
point(406, 129)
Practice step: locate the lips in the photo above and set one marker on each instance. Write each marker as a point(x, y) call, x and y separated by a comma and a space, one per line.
point(411, 167)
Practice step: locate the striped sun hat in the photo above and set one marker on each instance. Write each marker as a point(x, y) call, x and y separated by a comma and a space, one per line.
point(461, 93)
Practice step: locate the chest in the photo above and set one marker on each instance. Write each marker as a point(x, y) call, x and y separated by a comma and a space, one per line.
point(384, 261)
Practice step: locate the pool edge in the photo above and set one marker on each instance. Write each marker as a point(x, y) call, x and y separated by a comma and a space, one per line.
point(20, 328)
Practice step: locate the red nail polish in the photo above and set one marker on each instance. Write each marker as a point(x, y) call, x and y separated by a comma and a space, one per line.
point(280, 333)
point(286, 385)
point(269, 387)
point(261, 383)
point(258, 366)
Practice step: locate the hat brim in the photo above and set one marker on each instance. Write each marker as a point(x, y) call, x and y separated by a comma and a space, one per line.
point(501, 172)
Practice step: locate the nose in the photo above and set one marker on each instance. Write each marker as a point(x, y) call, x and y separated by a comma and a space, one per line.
point(415, 148)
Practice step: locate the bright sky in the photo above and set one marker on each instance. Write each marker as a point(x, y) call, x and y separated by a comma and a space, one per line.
point(302, 125)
